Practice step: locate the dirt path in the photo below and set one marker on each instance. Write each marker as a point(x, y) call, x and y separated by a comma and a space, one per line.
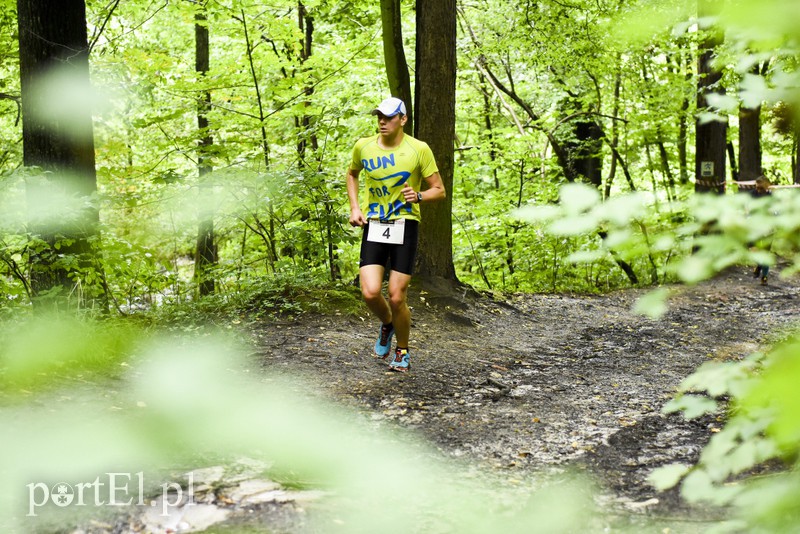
point(544, 380)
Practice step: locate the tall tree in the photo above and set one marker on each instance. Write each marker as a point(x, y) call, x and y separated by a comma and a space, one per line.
point(749, 143)
point(205, 249)
point(710, 135)
point(57, 137)
point(305, 133)
point(395, 57)
point(786, 124)
point(683, 118)
point(435, 93)
point(584, 149)
point(750, 135)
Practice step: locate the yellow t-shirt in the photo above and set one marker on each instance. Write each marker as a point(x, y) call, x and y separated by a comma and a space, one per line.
point(388, 171)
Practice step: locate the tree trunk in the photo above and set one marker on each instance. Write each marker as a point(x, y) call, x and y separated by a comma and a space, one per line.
point(711, 135)
point(614, 141)
point(749, 143)
point(435, 105)
point(732, 162)
point(57, 137)
point(585, 155)
point(206, 249)
point(487, 124)
point(272, 256)
point(683, 127)
point(305, 133)
point(796, 159)
point(666, 170)
point(395, 57)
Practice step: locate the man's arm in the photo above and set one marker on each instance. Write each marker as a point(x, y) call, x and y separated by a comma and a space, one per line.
point(356, 217)
point(434, 192)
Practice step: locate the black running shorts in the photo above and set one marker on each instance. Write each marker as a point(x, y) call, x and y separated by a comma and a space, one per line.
point(402, 256)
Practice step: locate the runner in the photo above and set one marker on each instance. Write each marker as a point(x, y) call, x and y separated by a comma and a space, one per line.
point(395, 165)
point(762, 189)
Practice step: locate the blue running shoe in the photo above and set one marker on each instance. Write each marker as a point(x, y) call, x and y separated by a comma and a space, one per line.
point(384, 342)
point(401, 362)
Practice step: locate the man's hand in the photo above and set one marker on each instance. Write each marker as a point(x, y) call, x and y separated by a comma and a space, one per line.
point(357, 218)
point(409, 194)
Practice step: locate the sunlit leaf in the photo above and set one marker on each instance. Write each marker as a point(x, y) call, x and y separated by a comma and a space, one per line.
point(706, 117)
point(623, 209)
point(768, 16)
point(753, 91)
point(771, 502)
point(585, 256)
point(664, 242)
point(719, 446)
point(49, 351)
point(535, 214)
point(716, 378)
point(697, 486)
point(749, 454)
point(653, 304)
point(577, 197)
point(668, 476)
point(573, 225)
point(694, 269)
point(778, 390)
point(692, 406)
point(762, 257)
point(639, 25)
point(618, 238)
point(724, 103)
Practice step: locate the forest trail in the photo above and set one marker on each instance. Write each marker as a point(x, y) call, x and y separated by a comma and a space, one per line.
point(543, 380)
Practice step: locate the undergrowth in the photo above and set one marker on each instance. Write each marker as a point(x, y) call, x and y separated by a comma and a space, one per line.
point(282, 295)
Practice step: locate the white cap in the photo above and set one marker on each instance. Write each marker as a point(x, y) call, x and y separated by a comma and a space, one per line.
point(390, 107)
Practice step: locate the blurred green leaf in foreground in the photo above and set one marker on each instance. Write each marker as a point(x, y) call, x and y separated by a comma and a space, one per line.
point(81, 399)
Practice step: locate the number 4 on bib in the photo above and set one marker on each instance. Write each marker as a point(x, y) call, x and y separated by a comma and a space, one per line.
point(388, 232)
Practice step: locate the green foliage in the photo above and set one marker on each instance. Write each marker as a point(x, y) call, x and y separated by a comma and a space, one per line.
point(283, 242)
point(274, 205)
point(286, 294)
point(293, 294)
point(762, 427)
point(617, 230)
point(178, 400)
point(762, 430)
point(57, 351)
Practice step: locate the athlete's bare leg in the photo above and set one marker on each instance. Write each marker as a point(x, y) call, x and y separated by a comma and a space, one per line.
point(371, 289)
point(398, 302)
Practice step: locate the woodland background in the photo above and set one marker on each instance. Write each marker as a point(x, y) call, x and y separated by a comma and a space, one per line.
point(221, 131)
point(189, 156)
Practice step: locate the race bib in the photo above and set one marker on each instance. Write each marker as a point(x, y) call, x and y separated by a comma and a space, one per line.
point(388, 232)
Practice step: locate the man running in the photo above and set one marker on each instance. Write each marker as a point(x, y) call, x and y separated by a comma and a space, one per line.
point(395, 165)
